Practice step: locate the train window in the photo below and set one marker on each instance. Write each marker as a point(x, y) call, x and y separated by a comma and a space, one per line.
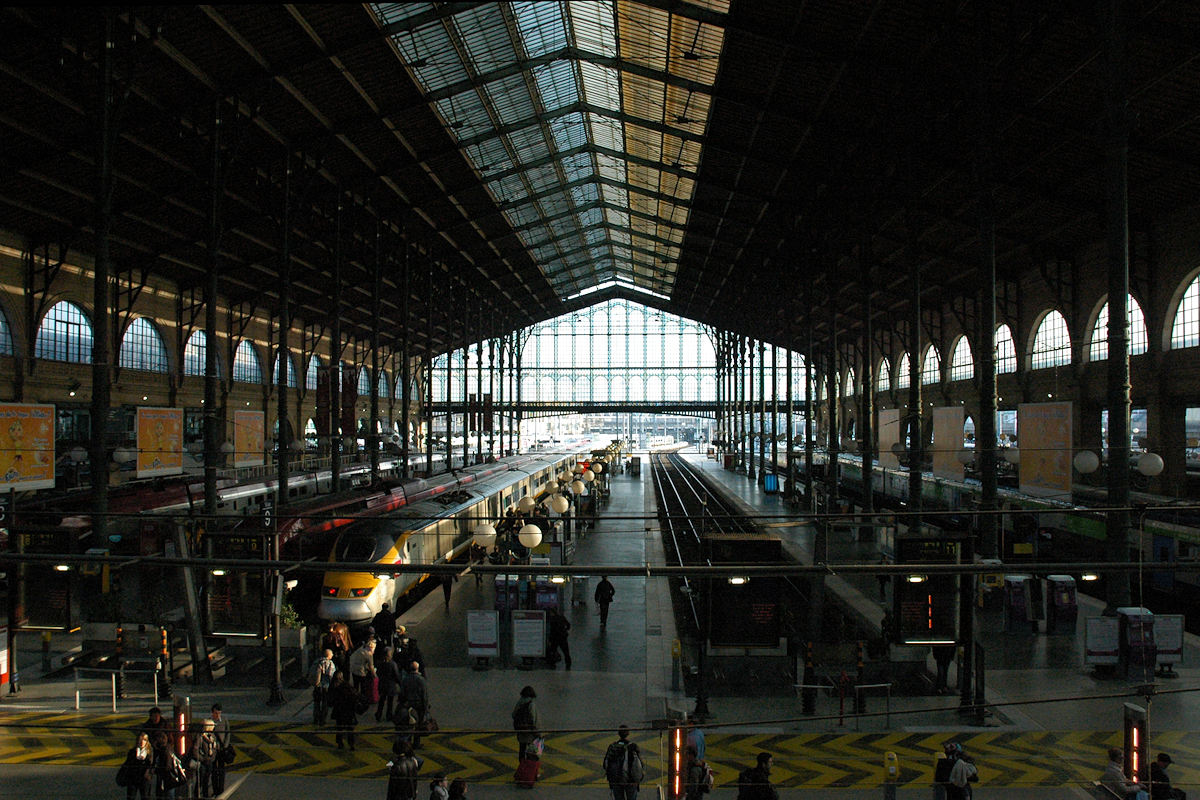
point(363, 548)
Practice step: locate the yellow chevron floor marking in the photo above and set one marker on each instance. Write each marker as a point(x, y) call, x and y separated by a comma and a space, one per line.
point(1005, 758)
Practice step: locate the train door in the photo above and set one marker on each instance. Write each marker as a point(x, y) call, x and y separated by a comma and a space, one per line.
point(1164, 553)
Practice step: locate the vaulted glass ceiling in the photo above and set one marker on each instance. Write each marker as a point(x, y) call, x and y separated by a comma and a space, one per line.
point(584, 119)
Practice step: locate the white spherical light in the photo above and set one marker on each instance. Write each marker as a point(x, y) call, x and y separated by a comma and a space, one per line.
point(551, 487)
point(578, 469)
point(530, 536)
point(1150, 464)
point(559, 504)
point(526, 504)
point(966, 456)
point(577, 487)
point(588, 476)
point(1086, 462)
point(898, 449)
point(1012, 455)
point(484, 534)
point(597, 467)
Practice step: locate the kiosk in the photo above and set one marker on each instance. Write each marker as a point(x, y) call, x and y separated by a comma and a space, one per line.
point(1062, 609)
point(1138, 653)
point(1018, 604)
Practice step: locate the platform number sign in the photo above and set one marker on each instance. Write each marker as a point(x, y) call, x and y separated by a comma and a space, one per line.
point(926, 604)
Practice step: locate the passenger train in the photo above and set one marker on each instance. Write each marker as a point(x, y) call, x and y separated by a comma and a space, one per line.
point(434, 526)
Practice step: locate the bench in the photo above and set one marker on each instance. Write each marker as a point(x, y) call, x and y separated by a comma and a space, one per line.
point(1102, 792)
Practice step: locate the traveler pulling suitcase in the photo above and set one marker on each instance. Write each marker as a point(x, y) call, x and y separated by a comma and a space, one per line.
point(527, 772)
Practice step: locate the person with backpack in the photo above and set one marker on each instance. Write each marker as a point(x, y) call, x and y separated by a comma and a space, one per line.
point(525, 721)
point(755, 783)
point(699, 778)
point(320, 677)
point(623, 767)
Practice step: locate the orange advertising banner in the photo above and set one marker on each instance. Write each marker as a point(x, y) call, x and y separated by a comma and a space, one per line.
point(159, 442)
point(947, 442)
point(1044, 443)
point(248, 427)
point(26, 446)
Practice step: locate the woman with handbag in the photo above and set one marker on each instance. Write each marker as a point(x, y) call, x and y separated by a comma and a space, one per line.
point(169, 774)
point(135, 773)
point(204, 759)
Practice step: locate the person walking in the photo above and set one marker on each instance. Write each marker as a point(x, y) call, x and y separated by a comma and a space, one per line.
point(623, 767)
point(402, 772)
point(224, 748)
point(343, 705)
point(320, 675)
point(362, 667)
point(525, 721)
point(384, 624)
point(413, 702)
point(447, 584)
point(604, 596)
point(337, 640)
point(389, 686)
point(755, 783)
point(560, 628)
point(138, 769)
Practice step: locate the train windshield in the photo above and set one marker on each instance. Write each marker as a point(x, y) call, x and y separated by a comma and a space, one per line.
point(371, 547)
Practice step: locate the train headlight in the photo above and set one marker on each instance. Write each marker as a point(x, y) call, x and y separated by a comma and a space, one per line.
point(329, 591)
point(362, 591)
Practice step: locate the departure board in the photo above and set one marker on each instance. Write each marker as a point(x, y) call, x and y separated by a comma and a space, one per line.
point(926, 605)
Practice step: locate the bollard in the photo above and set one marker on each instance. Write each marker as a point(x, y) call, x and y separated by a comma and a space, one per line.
point(891, 775)
point(676, 654)
point(860, 699)
point(120, 661)
point(164, 688)
point(808, 696)
point(46, 665)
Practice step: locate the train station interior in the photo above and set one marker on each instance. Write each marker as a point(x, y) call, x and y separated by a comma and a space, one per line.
point(788, 321)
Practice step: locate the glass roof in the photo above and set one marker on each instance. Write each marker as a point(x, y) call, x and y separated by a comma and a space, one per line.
point(584, 120)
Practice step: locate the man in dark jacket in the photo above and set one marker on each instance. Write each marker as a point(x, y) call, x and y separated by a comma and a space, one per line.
point(1160, 782)
point(414, 694)
point(389, 686)
point(755, 783)
point(559, 629)
point(384, 624)
point(604, 595)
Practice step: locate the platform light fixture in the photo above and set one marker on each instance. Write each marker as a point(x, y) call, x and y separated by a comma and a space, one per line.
point(738, 580)
point(1089, 576)
point(915, 578)
point(530, 536)
point(218, 573)
point(1086, 462)
point(1150, 464)
point(62, 567)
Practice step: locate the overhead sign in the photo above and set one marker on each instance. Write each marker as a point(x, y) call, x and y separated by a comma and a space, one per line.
point(926, 605)
point(248, 427)
point(26, 446)
point(159, 442)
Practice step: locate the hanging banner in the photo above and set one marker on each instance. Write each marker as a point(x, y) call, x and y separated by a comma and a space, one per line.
point(26, 446)
point(159, 442)
point(889, 434)
point(1044, 443)
point(947, 442)
point(248, 427)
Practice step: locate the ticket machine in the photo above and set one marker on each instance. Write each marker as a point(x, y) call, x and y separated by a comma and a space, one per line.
point(1018, 604)
point(1137, 650)
point(1062, 610)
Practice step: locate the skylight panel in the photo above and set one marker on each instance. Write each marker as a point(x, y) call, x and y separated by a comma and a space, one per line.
point(601, 85)
point(563, 228)
point(485, 36)
point(542, 178)
point(593, 216)
point(611, 167)
point(619, 235)
point(556, 84)
point(618, 219)
point(394, 12)
point(568, 132)
point(490, 155)
point(510, 98)
point(432, 48)
point(618, 197)
point(606, 132)
point(465, 114)
point(596, 235)
point(598, 254)
point(529, 144)
point(593, 25)
point(583, 194)
point(507, 188)
point(578, 165)
point(542, 27)
point(521, 215)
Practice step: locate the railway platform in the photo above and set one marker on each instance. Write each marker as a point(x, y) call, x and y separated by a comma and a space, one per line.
point(1051, 725)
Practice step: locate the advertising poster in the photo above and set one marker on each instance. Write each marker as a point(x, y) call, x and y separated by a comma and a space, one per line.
point(1168, 638)
point(159, 442)
point(26, 446)
point(248, 427)
point(889, 434)
point(947, 442)
point(529, 634)
point(1100, 641)
point(1044, 440)
point(483, 633)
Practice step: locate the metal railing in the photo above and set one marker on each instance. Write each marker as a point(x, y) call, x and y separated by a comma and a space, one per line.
point(89, 680)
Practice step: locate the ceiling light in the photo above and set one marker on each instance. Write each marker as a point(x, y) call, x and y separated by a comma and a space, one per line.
point(915, 579)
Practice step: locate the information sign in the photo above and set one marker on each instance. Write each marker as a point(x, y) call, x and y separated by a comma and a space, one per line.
point(483, 633)
point(529, 634)
point(1101, 641)
point(1168, 638)
point(926, 605)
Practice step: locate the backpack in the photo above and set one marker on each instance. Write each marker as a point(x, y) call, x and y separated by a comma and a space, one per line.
point(623, 763)
point(522, 717)
point(634, 767)
point(707, 778)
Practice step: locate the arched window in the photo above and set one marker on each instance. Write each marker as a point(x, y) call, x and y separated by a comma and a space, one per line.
point(314, 369)
point(1185, 329)
point(1138, 338)
point(381, 387)
point(194, 353)
point(1051, 343)
point(64, 335)
point(246, 366)
point(142, 347)
point(291, 373)
point(849, 385)
point(902, 376)
point(6, 342)
point(931, 366)
point(1006, 351)
point(883, 382)
point(962, 364)
point(364, 382)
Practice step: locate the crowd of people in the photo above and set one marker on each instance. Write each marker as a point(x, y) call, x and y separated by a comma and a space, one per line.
point(153, 769)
